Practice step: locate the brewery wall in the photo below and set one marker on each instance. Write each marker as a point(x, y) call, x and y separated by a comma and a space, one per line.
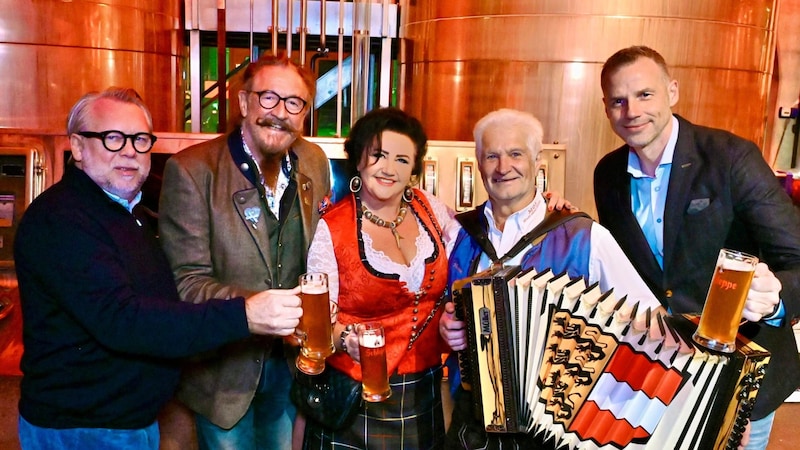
point(736, 63)
point(452, 62)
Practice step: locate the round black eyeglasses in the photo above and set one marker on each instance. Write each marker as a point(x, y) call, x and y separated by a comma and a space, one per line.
point(114, 140)
point(269, 99)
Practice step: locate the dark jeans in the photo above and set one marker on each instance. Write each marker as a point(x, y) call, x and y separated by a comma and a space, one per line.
point(32, 437)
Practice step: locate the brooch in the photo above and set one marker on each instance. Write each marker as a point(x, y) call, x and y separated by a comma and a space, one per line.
point(252, 214)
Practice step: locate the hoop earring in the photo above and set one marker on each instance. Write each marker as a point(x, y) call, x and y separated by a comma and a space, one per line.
point(355, 184)
point(408, 194)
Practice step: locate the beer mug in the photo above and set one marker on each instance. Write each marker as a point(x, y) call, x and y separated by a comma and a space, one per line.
point(372, 348)
point(314, 329)
point(722, 311)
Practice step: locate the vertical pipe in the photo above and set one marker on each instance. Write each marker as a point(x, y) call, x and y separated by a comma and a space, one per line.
point(360, 59)
point(323, 16)
point(302, 32)
point(340, 53)
point(354, 61)
point(222, 69)
point(365, 54)
point(195, 75)
point(274, 31)
point(253, 55)
point(289, 23)
point(385, 73)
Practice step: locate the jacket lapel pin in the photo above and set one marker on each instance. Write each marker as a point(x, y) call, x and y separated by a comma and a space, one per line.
point(252, 214)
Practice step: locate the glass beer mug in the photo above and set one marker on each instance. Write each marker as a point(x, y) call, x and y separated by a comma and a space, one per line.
point(314, 329)
point(372, 349)
point(722, 312)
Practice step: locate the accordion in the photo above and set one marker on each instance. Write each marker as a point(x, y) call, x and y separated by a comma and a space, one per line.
point(576, 367)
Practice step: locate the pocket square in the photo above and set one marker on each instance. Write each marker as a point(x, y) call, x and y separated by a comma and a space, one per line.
point(697, 205)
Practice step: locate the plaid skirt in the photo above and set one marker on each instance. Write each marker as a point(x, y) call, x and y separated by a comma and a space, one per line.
point(412, 418)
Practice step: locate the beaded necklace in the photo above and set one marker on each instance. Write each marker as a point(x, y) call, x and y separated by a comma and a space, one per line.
point(391, 225)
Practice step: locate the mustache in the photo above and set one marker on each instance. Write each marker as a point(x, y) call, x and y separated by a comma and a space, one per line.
point(275, 122)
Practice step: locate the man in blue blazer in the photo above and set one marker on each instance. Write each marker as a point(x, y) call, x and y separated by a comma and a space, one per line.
point(676, 193)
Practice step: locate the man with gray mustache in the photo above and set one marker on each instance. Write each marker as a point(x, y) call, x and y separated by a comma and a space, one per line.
point(237, 214)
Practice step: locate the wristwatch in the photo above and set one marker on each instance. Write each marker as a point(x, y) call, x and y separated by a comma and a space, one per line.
point(343, 336)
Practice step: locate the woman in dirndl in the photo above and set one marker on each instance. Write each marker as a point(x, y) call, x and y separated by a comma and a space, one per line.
point(383, 250)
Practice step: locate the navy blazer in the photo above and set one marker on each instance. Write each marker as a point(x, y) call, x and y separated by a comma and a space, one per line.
point(721, 194)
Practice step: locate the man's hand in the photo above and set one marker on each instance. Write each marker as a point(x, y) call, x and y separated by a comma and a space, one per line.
point(276, 311)
point(764, 294)
point(451, 329)
point(745, 437)
point(556, 201)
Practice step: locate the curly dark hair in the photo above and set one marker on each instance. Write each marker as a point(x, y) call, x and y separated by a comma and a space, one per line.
point(365, 135)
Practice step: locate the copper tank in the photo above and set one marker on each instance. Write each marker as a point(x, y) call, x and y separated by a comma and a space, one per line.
point(53, 51)
point(462, 59)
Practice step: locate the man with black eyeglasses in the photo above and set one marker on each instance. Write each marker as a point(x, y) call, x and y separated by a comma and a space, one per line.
point(103, 324)
point(236, 216)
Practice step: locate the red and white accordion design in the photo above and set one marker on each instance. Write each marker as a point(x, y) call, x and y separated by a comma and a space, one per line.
point(579, 368)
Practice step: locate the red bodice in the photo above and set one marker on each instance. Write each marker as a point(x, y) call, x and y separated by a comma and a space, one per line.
point(367, 295)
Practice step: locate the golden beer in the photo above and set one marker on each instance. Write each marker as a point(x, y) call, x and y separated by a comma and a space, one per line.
point(722, 311)
point(314, 330)
point(372, 350)
point(316, 325)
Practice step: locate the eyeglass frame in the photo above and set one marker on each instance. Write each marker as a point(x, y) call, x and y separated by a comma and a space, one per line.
point(102, 135)
point(283, 99)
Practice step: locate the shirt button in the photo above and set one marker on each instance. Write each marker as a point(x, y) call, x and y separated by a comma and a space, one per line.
point(668, 293)
point(658, 220)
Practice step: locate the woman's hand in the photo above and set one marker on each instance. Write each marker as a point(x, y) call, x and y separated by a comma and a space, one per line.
point(556, 201)
point(351, 341)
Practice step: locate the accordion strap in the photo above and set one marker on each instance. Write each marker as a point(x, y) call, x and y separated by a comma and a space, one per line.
point(475, 224)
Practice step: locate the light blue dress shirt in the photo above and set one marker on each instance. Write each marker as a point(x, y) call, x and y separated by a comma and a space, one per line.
point(649, 195)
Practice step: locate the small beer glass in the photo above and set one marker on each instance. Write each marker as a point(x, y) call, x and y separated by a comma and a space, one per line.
point(722, 312)
point(314, 329)
point(371, 347)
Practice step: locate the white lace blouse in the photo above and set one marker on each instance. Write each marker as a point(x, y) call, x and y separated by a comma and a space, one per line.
point(321, 257)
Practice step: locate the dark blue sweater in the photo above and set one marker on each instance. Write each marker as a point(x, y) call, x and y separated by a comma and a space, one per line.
point(103, 326)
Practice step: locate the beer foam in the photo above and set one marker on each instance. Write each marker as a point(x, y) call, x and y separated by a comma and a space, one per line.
point(370, 341)
point(733, 264)
point(314, 289)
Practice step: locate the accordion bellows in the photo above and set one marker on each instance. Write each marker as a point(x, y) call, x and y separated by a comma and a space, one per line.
point(579, 368)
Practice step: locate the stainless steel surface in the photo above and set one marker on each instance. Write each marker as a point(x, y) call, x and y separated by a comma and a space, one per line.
point(55, 51)
point(263, 12)
point(464, 59)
